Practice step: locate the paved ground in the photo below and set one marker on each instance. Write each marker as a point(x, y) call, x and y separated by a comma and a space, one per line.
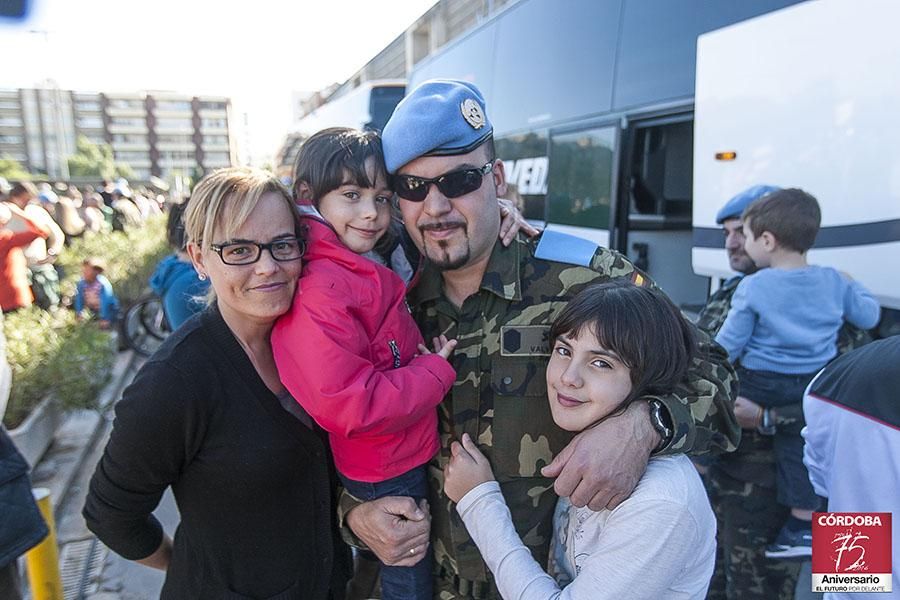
point(89, 570)
point(112, 577)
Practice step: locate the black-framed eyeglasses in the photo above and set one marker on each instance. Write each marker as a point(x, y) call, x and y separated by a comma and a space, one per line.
point(247, 253)
point(453, 184)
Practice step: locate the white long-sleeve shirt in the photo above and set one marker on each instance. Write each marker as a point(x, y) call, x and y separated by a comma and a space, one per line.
point(659, 543)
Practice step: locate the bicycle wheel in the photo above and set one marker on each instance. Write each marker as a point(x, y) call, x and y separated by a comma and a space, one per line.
point(144, 326)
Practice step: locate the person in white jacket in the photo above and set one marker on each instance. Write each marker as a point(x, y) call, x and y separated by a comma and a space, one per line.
point(852, 437)
point(612, 344)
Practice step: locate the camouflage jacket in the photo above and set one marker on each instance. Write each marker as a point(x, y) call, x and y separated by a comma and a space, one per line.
point(713, 314)
point(500, 396)
point(754, 460)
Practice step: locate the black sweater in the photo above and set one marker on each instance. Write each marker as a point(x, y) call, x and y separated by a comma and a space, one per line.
point(254, 486)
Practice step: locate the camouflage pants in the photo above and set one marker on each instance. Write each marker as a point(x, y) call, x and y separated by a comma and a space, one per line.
point(748, 518)
point(447, 588)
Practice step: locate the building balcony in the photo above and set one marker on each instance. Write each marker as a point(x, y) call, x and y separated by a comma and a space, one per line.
point(173, 128)
point(213, 130)
point(218, 163)
point(173, 113)
point(131, 146)
point(113, 128)
point(136, 163)
point(130, 111)
point(11, 147)
point(181, 164)
point(175, 146)
point(210, 113)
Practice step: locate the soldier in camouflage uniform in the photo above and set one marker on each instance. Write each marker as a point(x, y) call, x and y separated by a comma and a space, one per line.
point(499, 302)
point(742, 484)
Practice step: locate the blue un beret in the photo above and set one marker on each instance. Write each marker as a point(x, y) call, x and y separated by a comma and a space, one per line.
point(735, 207)
point(441, 117)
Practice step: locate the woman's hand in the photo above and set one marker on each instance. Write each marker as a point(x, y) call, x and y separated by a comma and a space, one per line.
point(467, 469)
point(161, 556)
point(512, 222)
point(442, 346)
point(747, 412)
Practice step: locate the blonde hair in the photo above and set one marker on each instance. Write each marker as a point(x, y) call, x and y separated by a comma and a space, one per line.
point(224, 199)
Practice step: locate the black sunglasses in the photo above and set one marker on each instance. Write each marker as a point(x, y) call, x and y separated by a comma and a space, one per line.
point(453, 184)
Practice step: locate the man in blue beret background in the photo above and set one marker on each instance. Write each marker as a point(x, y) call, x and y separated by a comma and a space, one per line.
point(499, 302)
point(742, 484)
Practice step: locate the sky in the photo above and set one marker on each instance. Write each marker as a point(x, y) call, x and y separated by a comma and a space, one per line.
point(255, 52)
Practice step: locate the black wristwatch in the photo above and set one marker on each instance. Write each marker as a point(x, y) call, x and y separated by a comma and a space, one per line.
point(662, 423)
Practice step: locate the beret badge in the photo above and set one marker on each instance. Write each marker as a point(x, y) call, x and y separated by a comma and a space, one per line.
point(472, 113)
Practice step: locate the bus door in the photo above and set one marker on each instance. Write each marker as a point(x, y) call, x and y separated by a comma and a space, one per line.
point(653, 213)
point(581, 180)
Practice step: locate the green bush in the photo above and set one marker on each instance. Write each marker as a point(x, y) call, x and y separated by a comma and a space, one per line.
point(53, 353)
point(130, 256)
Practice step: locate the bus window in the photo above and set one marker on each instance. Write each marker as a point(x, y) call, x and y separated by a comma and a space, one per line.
point(660, 177)
point(581, 174)
point(382, 103)
point(525, 159)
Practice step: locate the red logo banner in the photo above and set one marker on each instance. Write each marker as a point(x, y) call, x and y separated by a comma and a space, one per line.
point(851, 552)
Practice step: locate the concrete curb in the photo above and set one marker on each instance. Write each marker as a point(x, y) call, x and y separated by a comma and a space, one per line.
point(123, 371)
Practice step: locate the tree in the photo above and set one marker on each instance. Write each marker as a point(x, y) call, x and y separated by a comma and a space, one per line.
point(12, 170)
point(96, 160)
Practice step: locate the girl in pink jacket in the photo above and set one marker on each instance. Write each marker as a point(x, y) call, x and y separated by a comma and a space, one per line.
point(348, 350)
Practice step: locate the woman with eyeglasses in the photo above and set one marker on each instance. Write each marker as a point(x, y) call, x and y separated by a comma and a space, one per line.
point(206, 416)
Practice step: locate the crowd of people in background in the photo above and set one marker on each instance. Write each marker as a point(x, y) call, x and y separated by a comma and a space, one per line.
point(38, 220)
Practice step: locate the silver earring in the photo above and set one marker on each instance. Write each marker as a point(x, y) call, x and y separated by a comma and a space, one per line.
point(202, 276)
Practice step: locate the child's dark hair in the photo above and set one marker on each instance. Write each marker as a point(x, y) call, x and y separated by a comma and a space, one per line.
point(334, 156)
point(791, 215)
point(639, 324)
point(175, 226)
point(337, 155)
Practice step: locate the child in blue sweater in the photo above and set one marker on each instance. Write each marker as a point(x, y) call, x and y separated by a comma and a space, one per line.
point(782, 329)
point(94, 292)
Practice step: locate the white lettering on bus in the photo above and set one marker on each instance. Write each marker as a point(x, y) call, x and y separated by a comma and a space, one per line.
point(529, 174)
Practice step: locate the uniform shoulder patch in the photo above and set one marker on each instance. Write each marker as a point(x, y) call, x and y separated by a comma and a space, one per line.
point(565, 248)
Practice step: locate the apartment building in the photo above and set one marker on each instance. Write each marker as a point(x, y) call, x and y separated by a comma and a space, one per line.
point(155, 133)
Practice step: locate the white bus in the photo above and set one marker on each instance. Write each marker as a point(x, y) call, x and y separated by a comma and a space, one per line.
point(365, 107)
point(807, 97)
